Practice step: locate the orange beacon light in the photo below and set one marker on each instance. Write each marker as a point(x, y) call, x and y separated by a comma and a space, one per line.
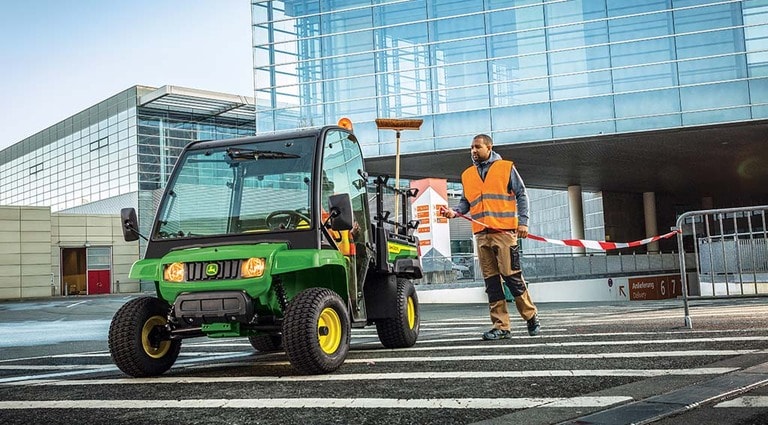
point(345, 123)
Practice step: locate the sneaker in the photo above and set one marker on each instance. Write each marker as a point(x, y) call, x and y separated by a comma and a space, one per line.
point(495, 334)
point(534, 327)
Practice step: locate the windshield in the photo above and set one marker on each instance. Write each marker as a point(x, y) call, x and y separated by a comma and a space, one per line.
point(256, 187)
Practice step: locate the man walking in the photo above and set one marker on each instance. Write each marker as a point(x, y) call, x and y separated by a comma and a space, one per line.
point(494, 195)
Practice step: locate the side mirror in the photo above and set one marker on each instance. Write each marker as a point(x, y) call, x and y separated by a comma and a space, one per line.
point(341, 211)
point(130, 224)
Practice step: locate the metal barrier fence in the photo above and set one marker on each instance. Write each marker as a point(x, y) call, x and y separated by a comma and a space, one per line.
point(561, 266)
point(555, 266)
point(730, 249)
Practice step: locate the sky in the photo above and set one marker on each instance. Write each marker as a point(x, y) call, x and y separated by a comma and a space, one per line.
point(59, 57)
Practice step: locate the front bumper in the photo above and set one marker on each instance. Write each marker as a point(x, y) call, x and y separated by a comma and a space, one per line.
point(198, 308)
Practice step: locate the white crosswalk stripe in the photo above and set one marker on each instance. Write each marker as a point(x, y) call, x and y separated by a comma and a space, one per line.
point(571, 347)
point(745, 401)
point(294, 403)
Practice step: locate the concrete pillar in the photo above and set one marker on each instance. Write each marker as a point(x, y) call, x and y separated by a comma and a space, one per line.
point(576, 213)
point(649, 211)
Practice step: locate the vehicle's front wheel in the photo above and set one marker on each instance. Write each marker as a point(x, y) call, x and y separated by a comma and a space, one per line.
point(403, 330)
point(138, 341)
point(316, 331)
point(266, 343)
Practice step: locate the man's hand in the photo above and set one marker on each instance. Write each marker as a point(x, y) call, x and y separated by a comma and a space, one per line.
point(447, 212)
point(522, 232)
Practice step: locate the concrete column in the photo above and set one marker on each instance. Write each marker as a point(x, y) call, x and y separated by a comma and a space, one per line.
point(576, 213)
point(649, 211)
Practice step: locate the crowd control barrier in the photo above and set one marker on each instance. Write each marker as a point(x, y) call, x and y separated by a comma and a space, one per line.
point(731, 253)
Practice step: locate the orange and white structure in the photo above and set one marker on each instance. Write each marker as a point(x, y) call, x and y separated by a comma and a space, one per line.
point(433, 231)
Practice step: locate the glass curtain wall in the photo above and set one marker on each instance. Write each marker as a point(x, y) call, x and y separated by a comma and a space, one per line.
point(163, 134)
point(86, 158)
point(525, 70)
point(113, 148)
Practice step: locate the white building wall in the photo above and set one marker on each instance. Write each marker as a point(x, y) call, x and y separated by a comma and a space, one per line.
point(10, 252)
point(97, 230)
point(31, 239)
point(25, 247)
point(35, 230)
point(124, 254)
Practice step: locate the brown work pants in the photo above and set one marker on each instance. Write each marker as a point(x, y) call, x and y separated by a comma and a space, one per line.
point(497, 253)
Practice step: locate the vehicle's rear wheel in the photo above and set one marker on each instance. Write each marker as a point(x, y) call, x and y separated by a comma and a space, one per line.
point(138, 341)
point(316, 331)
point(266, 343)
point(403, 330)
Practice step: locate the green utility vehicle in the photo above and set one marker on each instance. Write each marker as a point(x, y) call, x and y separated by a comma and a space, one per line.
point(271, 238)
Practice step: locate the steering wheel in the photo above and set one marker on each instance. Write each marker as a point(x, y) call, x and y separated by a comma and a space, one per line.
point(285, 219)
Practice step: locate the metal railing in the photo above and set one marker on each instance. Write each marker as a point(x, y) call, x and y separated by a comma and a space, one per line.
point(562, 266)
point(537, 267)
point(730, 248)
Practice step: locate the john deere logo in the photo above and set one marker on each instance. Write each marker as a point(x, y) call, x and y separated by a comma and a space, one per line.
point(212, 269)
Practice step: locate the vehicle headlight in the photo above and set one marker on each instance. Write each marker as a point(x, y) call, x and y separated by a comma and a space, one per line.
point(252, 267)
point(174, 272)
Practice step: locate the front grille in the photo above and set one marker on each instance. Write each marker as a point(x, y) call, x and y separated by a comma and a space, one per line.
point(226, 269)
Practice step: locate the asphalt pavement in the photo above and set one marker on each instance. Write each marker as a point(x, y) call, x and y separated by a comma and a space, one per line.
point(594, 363)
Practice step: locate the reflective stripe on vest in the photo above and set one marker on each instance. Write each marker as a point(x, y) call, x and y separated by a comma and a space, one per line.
point(489, 202)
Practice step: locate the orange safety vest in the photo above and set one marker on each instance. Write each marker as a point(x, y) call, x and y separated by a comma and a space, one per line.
point(489, 201)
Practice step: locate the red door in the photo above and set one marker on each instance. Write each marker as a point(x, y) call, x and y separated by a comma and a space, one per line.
point(98, 282)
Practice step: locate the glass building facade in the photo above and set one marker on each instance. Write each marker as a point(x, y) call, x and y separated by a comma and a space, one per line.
point(87, 157)
point(119, 152)
point(522, 71)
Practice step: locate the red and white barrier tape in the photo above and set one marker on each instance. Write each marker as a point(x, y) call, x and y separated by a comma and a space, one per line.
point(601, 245)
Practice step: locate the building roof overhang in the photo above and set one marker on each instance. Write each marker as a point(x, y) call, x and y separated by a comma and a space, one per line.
point(200, 103)
point(723, 160)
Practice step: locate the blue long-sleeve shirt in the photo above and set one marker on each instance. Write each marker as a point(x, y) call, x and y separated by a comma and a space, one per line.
point(515, 186)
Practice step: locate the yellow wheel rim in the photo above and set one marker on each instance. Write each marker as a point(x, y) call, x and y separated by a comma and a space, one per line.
point(411, 313)
point(329, 330)
point(163, 347)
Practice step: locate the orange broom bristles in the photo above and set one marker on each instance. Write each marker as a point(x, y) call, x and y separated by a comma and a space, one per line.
point(398, 123)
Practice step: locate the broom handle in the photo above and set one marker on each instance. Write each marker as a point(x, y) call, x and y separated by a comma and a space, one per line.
point(397, 176)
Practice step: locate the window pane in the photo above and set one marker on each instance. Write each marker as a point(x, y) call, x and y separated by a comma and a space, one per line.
point(756, 36)
point(443, 8)
point(653, 109)
point(527, 122)
point(734, 96)
point(580, 85)
point(457, 129)
point(403, 70)
point(583, 117)
point(355, 42)
point(453, 28)
point(401, 12)
point(559, 13)
point(452, 81)
point(644, 77)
